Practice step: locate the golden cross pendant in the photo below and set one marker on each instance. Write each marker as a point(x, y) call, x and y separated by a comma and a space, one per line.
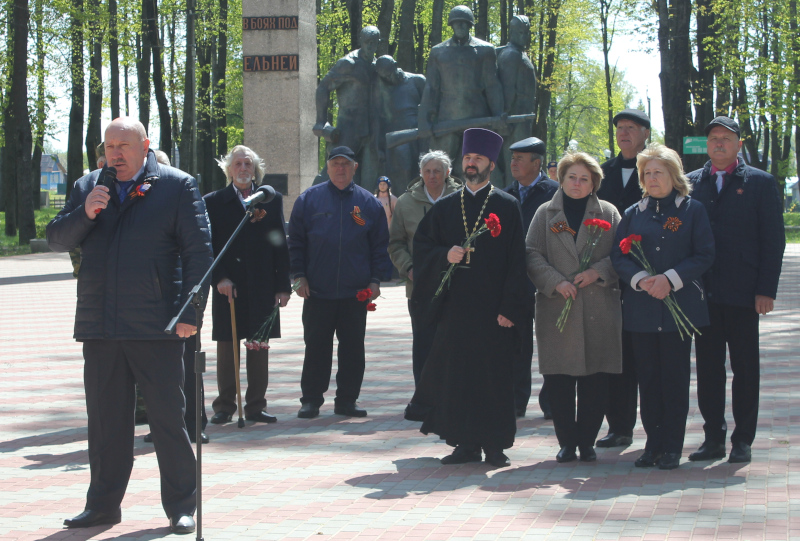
point(469, 252)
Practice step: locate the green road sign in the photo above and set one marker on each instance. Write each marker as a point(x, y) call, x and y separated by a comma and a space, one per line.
point(694, 145)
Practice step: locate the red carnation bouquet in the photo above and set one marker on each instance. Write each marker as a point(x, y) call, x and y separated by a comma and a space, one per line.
point(260, 339)
point(365, 295)
point(492, 225)
point(632, 244)
point(596, 228)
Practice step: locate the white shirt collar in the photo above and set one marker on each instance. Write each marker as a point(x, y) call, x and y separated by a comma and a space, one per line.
point(466, 186)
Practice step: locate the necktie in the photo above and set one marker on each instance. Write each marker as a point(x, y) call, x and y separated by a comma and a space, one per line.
point(246, 193)
point(123, 190)
point(720, 180)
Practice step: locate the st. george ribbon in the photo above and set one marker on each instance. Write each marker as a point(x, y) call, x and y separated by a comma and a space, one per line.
point(263, 194)
point(107, 180)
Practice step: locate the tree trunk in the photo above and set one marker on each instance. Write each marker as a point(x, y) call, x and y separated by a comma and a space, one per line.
point(605, 7)
point(707, 60)
point(41, 111)
point(205, 135)
point(143, 50)
point(113, 55)
point(75, 135)
point(176, 134)
point(545, 83)
point(189, 96)
point(674, 17)
point(20, 122)
point(354, 9)
point(405, 35)
point(95, 47)
point(164, 120)
point(435, 37)
point(220, 106)
point(503, 22)
point(795, 86)
point(482, 20)
point(384, 24)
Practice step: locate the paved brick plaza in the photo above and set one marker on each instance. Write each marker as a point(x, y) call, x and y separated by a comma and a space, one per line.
point(375, 478)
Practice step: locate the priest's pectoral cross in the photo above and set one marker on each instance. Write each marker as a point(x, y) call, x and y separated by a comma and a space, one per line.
point(469, 253)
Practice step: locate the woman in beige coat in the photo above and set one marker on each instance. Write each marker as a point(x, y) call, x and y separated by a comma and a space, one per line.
point(590, 346)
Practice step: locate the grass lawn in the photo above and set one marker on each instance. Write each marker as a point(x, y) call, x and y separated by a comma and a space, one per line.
point(10, 245)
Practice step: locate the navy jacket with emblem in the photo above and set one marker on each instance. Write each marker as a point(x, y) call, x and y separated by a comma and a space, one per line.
point(257, 262)
point(139, 259)
point(677, 242)
point(747, 221)
point(337, 252)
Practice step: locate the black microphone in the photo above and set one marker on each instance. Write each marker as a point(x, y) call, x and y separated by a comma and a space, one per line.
point(263, 194)
point(107, 180)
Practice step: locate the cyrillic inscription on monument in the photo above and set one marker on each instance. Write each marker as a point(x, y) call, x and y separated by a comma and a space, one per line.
point(269, 23)
point(275, 62)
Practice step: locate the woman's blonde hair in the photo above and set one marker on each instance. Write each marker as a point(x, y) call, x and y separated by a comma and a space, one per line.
point(580, 158)
point(671, 160)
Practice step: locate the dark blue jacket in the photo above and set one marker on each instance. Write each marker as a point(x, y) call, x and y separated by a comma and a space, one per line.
point(541, 193)
point(747, 221)
point(612, 190)
point(329, 245)
point(678, 243)
point(131, 283)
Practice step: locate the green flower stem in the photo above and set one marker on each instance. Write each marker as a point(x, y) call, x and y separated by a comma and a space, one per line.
point(449, 273)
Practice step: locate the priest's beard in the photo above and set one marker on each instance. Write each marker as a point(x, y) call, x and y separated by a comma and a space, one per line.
point(474, 176)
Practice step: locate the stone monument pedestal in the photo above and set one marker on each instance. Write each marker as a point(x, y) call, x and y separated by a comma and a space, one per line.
point(280, 81)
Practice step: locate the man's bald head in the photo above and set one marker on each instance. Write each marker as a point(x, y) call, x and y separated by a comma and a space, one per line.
point(126, 145)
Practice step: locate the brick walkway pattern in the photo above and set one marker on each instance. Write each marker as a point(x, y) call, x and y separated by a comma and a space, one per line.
point(376, 478)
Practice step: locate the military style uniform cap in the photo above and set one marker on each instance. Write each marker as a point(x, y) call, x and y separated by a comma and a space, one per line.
point(461, 13)
point(531, 144)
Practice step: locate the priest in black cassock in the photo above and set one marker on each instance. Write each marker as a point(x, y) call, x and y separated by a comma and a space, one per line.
point(467, 384)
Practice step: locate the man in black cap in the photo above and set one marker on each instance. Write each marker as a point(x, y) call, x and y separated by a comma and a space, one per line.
point(467, 381)
point(337, 247)
point(620, 187)
point(532, 189)
point(747, 220)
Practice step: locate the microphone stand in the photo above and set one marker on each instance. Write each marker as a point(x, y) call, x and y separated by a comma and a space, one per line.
point(196, 300)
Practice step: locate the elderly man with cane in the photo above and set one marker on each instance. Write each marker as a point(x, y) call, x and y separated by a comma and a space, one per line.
point(250, 280)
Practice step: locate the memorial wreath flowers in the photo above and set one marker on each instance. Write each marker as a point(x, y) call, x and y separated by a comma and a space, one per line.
point(596, 228)
point(632, 244)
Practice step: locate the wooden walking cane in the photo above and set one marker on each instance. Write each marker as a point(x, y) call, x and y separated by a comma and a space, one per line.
point(236, 363)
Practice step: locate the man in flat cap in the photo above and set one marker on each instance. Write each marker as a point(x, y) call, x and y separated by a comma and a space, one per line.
point(461, 82)
point(467, 381)
point(747, 221)
point(337, 247)
point(532, 189)
point(620, 187)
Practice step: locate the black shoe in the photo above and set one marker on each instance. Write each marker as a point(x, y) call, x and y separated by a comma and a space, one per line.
point(740, 452)
point(587, 454)
point(548, 414)
point(203, 437)
point(349, 410)
point(614, 440)
point(181, 524)
point(148, 438)
point(520, 413)
point(497, 458)
point(308, 411)
point(462, 455)
point(566, 454)
point(708, 451)
point(93, 518)
point(669, 461)
point(262, 417)
point(649, 459)
point(221, 417)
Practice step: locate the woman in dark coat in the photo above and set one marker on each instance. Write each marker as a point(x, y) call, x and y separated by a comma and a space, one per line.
point(677, 242)
point(254, 272)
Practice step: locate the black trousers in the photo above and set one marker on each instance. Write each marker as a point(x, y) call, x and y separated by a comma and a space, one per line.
point(577, 430)
point(189, 387)
point(663, 368)
point(736, 327)
point(623, 394)
point(111, 367)
point(422, 340)
point(257, 362)
point(322, 318)
point(523, 361)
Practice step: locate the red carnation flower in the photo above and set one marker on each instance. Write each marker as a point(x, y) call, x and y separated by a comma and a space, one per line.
point(371, 307)
point(364, 295)
point(635, 238)
point(604, 225)
point(493, 224)
point(625, 245)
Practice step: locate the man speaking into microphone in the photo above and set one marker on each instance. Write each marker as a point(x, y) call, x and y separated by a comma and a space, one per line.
point(250, 280)
point(145, 244)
